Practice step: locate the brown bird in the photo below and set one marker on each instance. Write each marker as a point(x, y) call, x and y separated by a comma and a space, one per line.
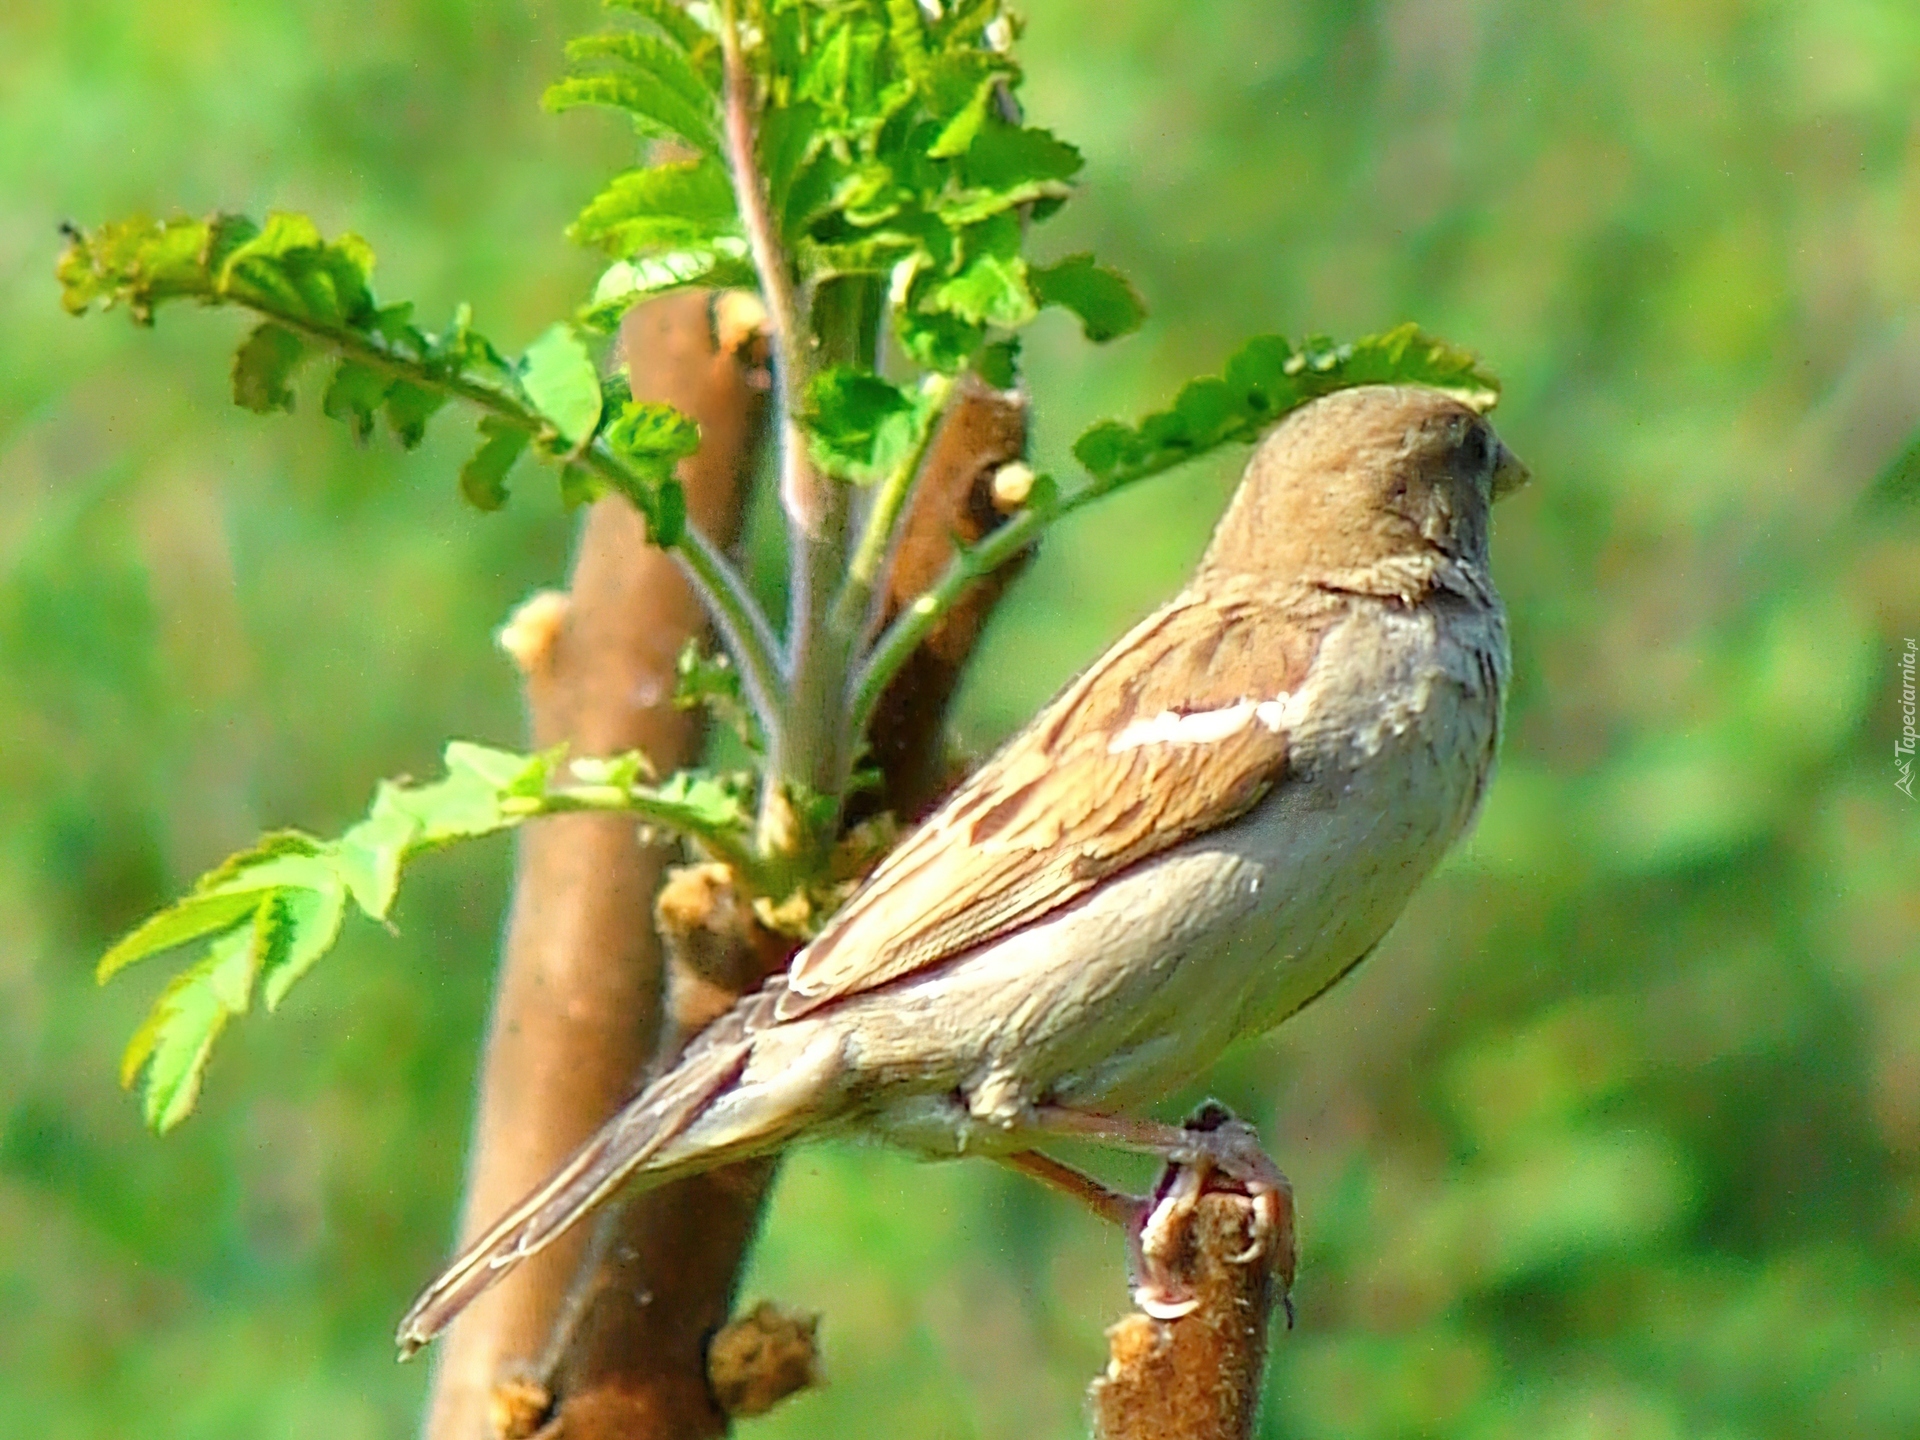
point(1203, 832)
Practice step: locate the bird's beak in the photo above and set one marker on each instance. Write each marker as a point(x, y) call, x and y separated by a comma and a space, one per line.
point(1509, 474)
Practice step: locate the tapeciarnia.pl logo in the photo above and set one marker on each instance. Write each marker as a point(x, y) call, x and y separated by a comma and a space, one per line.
point(1903, 747)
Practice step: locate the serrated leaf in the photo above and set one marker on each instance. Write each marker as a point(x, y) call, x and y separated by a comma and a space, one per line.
point(355, 395)
point(711, 682)
point(507, 771)
point(961, 91)
point(679, 25)
point(651, 104)
point(409, 407)
point(483, 479)
point(937, 340)
point(848, 414)
point(1006, 157)
point(991, 290)
point(625, 283)
point(653, 437)
point(1266, 379)
point(1102, 298)
point(563, 383)
point(174, 1042)
point(263, 365)
point(312, 920)
point(1106, 447)
point(677, 205)
point(184, 920)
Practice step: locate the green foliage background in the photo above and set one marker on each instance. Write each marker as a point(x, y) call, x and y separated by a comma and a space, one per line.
point(1619, 1137)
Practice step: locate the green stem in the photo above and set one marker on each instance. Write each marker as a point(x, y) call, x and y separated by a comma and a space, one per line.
point(911, 625)
point(889, 503)
point(642, 805)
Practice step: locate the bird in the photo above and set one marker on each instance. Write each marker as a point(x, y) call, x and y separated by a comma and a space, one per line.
point(1201, 834)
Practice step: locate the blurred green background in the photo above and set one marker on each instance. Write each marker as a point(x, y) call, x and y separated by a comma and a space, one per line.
point(1619, 1136)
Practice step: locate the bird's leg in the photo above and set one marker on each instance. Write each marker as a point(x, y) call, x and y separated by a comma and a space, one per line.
point(1113, 1206)
point(1213, 1141)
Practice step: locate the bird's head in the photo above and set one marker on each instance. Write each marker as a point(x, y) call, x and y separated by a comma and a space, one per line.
point(1371, 476)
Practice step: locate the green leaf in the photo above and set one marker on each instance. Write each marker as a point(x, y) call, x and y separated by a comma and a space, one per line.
point(186, 919)
point(680, 26)
point(1102, 298)
point(1265, 380)
point(409, 407)
point(710, 682)
point(175, 1041)
point(263, 365)
point(991, 290)
point(1004, 155)
point(657, 105)
point(355, 395)
point(850, 416)
point(653, 436)
point(563, 383)
point(483, 479)
point(999, 364)
point(625, 283)
point(310, 920)
point(672, 206)
point(274, 909)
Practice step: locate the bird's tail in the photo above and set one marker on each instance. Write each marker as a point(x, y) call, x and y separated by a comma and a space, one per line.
point(627, 1147)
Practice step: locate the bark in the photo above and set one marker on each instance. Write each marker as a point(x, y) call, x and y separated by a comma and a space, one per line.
point(1198, 1377)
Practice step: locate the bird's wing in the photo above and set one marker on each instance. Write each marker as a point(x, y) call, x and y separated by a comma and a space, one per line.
point(1177, 730)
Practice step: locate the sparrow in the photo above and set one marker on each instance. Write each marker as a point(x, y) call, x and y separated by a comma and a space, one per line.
point(1201, 834)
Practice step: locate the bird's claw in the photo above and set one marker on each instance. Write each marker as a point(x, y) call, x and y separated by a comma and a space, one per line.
point(1220, 1145)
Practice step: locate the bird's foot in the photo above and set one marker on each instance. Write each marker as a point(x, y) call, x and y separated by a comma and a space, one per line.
point(1215, 1147)
point(1213, 1150)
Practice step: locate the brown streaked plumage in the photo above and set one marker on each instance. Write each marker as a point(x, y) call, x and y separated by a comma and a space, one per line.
point(1199, 835)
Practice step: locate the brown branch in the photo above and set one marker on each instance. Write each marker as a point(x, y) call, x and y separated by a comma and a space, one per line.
point(1198, 1377)
point(577, 1001)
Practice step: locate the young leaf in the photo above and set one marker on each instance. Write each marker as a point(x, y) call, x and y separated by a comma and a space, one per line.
point(1102, 298)
point(563, 383)
point(671, 206)
point(409, 407)
point(680, 26)
point(483, 479)
point(855, 421)
point(176, 1039)
point(355, 395)
point(653, 437)
point(262, 367)
point(711, 682)
point(991, 290)
point(1265, 380)
point(199, 913)
point(655, 106)
point(721, 265)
